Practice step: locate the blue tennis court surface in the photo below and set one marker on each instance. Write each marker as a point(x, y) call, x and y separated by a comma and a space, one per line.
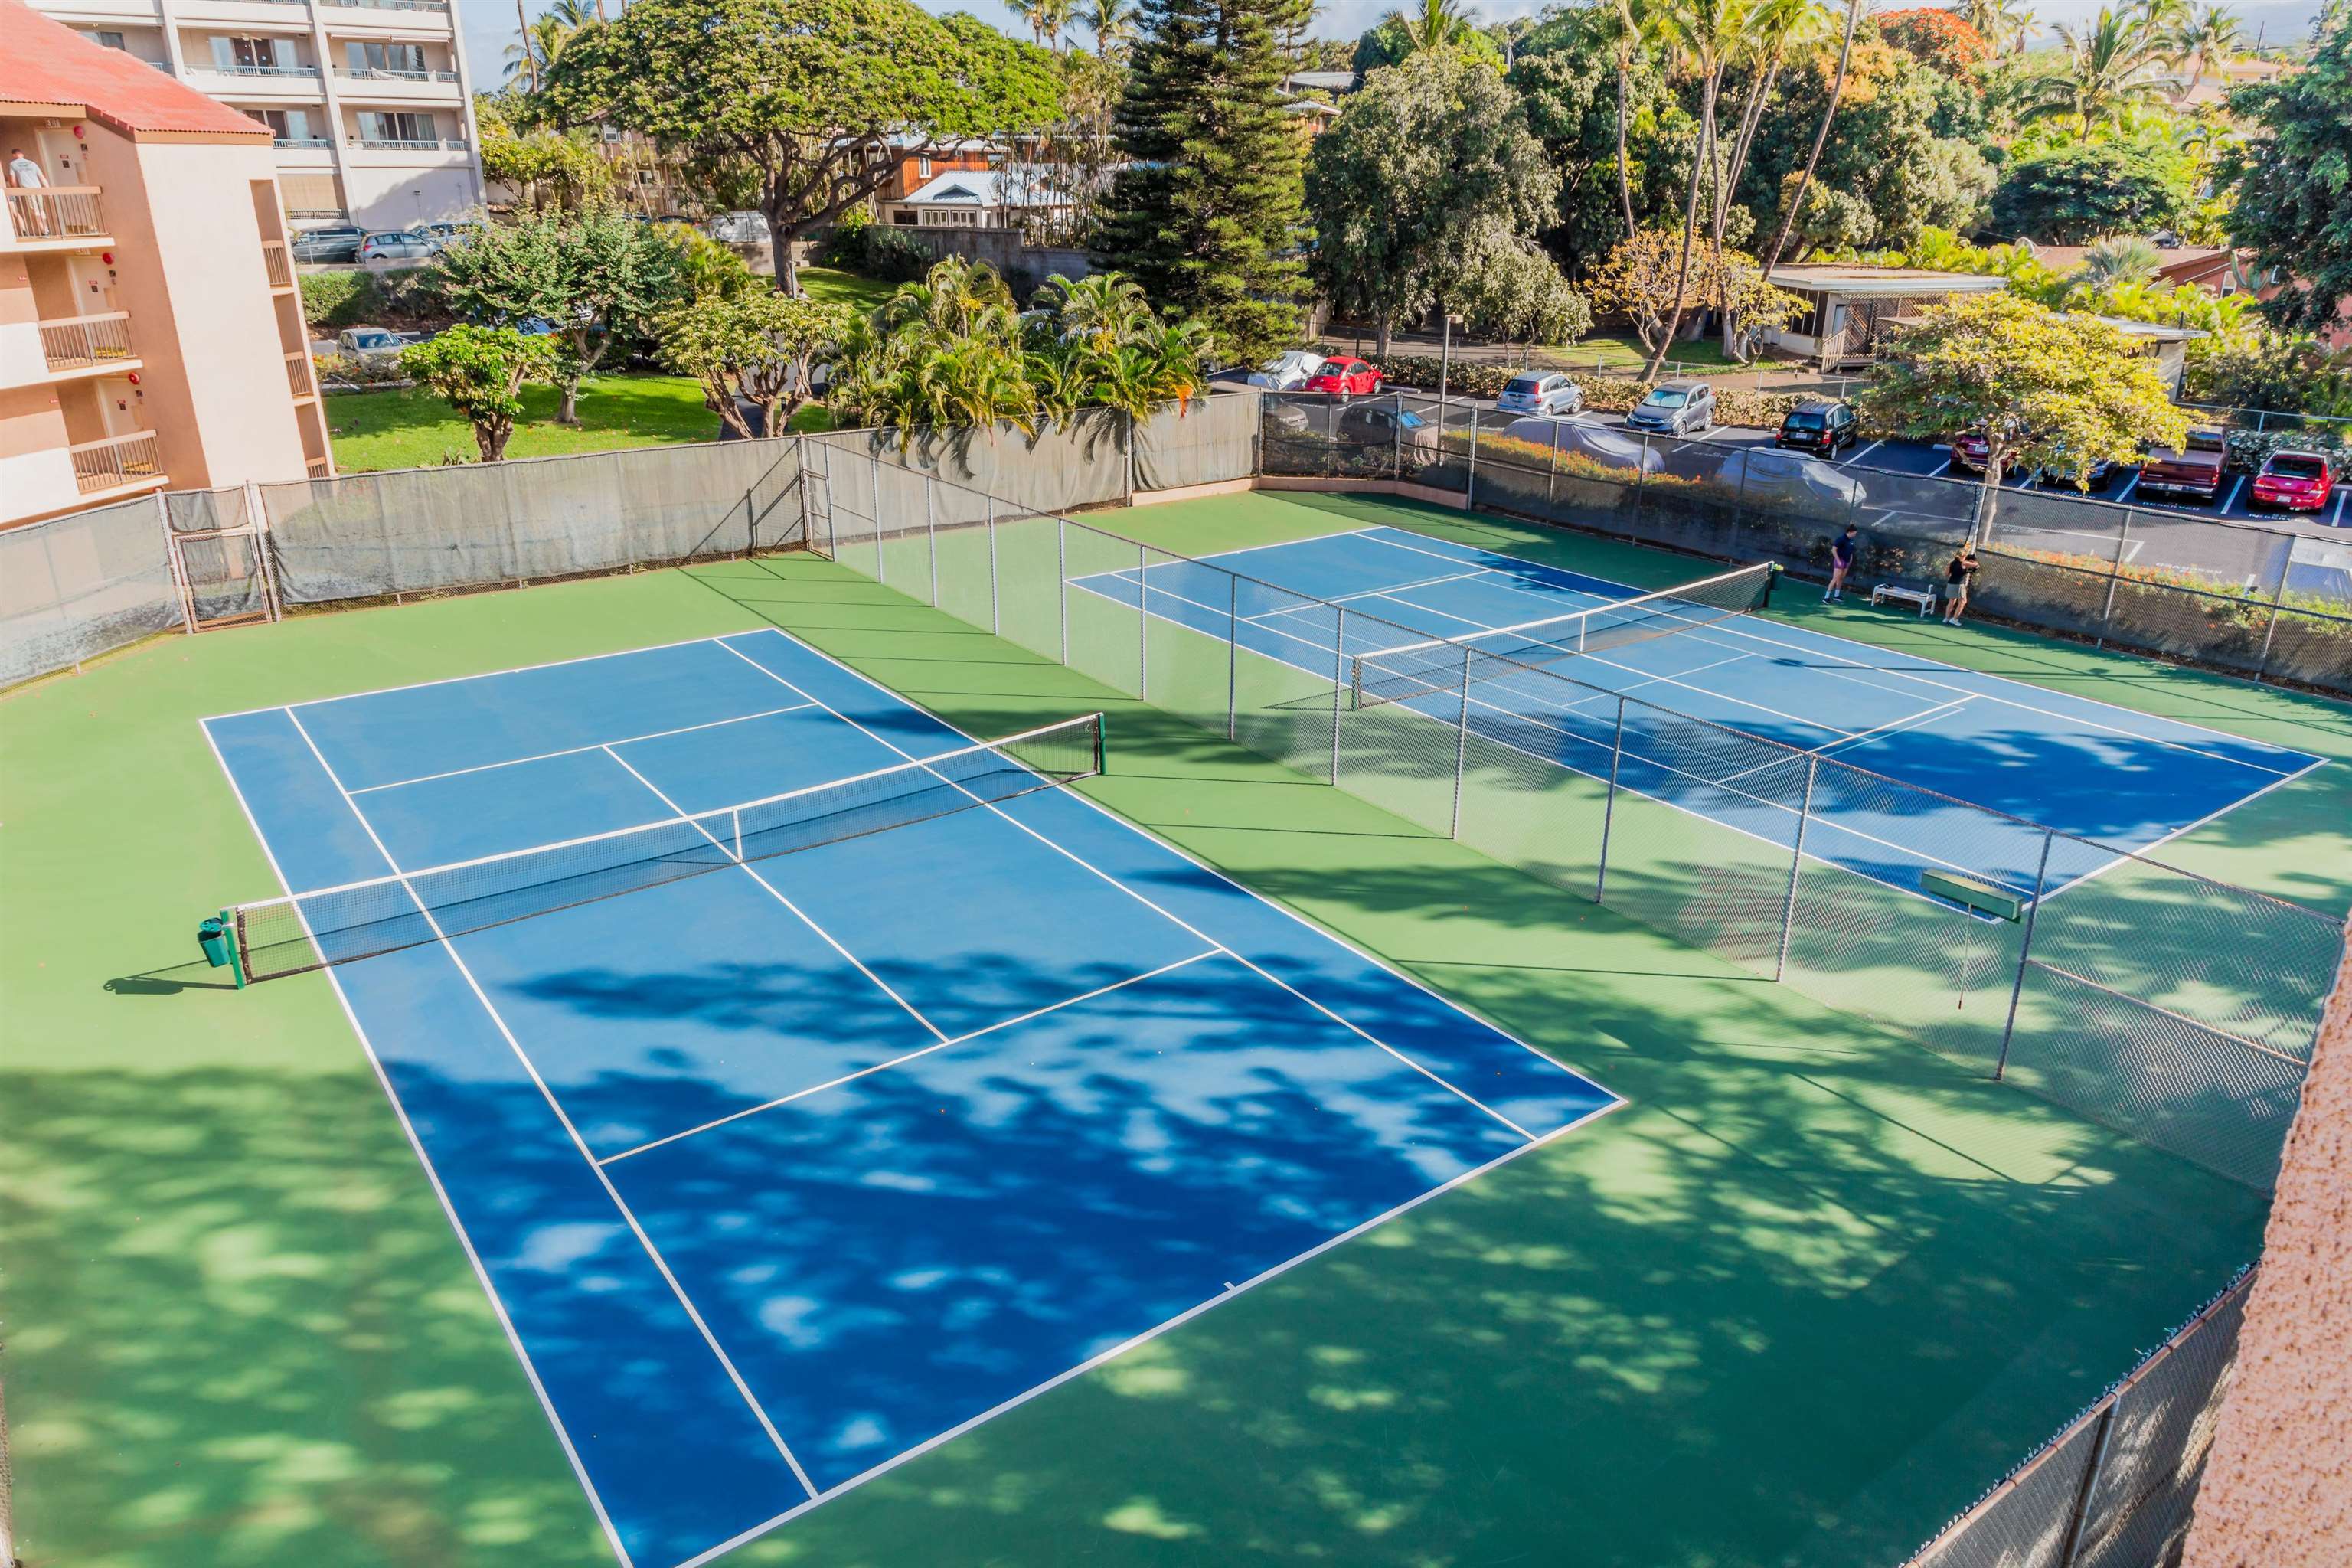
point(780, 1173)
point(2125, 778)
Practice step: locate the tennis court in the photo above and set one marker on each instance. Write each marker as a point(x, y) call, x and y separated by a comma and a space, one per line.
point(877, 1104)
point(1420, 611)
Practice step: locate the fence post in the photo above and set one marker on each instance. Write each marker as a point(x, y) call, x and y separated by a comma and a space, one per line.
point(2278, 596)
point(1470, 485)
point(1142, 627)
point(874, 460)
point(2080, 1513)
point(995, 615)
point(931, 534)
point(1551, 465)
point(1232, 651)
point(2114, 574)
point(1061, 579)
point(1609, 806)
point(1461, 744)
point(179, 568)
point(1396, 436)
point(2024, 947)
point(1796, 864)
point(1338, 678)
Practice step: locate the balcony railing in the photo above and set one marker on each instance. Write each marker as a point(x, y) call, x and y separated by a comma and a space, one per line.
point(320, 468)
point(116, 460)
point(79, 342)
point(218, 70)
point(389, 144)
point(300, 141)
point(389, 5)
point(297, 376)
point(377, 73)
point(273, 257)
point(55, 211)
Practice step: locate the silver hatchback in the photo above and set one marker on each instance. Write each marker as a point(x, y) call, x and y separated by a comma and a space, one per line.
point(1540, 393)
point(1684, 406)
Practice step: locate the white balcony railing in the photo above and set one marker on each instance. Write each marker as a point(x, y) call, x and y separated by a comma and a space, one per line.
point(388, 4)
point(280, 270)
point(55, 211)
point(386, 145)
point(375, 73)
point(80, 343)
point(299, 142)
point(116, 460)
point(216, 69)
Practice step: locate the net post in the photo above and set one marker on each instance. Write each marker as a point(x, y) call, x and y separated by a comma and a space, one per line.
point(1338, 675)
point(931, 533)
point(1102, 752)
point(1796, 864)
point(2024, 949)
point(1142, 627)
point(1609, 806)
point(1461, 741)
point(996, 616)
point(1232, 652)
point(233, 923)
point(735, 816)
point(1061, 579)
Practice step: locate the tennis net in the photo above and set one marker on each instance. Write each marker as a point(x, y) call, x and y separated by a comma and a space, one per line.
point(289, 935)
point(1444, 664)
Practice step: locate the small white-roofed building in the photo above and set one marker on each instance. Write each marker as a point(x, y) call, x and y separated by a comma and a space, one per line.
point(978, 198)
point(1851, 306)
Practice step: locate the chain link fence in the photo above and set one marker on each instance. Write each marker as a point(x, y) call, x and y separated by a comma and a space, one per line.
point(2251, 600)
point(2114, 1489)
point(2166, 1005)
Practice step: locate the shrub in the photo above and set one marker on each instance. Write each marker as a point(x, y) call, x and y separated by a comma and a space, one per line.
point(334, 300)
point(347, 370)
point(2249, 448)
point(881, 251)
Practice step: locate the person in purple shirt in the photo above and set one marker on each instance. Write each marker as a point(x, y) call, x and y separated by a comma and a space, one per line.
point(1842, 551)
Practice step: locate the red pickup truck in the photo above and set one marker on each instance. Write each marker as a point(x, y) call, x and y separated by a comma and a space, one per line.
point(2194, 471)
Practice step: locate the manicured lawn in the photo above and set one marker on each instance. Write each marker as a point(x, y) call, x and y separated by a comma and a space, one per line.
point(830, 285)
point(413, 428)
point(1624, 351)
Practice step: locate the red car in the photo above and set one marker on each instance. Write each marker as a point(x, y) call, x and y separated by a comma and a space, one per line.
point(1347, 377)
point(2297, 482)
point(1969, 450)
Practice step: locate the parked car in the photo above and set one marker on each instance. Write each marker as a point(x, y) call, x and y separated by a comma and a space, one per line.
point(2292, 481)
point(385, 246)
point(1970, 451)
point(1684, 406)
point(2194, 471)
point(2062, 475)
point(1382, 423)
point(335, 242)
point(449, 233)
point(1344, 376)
point(1800, 483)
point(371, 344)
point(1540, 393)
point(1821, 426)
point(738, 228)
point(1287, 371)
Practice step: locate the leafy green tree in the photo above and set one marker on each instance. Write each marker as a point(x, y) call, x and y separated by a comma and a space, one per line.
point(2293, 182)
point(796, 94)
point(758, 347)
point(1520, 296)
point(1428, 177)
point(1608, 122)
point(2050, 391)
point(1205, 215)
point(2114, 60)
point(480, 372)
point(1390, 40)
point(591, 276)
point(2074, 194)
point(1792, 200)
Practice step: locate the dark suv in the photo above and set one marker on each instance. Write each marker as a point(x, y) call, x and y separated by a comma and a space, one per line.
point(1819, 425)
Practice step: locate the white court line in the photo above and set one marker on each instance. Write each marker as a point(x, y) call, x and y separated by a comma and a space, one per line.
point(1719, 696)
point(619, 1204)
point(432, 1176)
point(1124, 1346)
point(1177, 920)
point(774, 893)
point(486, 674)
point(2114, 859)
point(908, 1057)
point(574, 751)
point(1894, 727)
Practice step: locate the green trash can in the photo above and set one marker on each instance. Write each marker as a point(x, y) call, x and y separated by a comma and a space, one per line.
point(214, 938)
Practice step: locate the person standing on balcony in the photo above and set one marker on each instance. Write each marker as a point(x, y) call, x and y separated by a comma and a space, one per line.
point(26, 174)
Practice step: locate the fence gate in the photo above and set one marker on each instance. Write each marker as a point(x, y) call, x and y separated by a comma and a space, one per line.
point(220, 558)
point(816, 498)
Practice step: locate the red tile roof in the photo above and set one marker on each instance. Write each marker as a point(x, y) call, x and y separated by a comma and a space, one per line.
point(47, 65)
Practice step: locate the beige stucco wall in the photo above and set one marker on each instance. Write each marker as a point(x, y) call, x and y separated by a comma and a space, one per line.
point(2278, 1486)
point(189, 269)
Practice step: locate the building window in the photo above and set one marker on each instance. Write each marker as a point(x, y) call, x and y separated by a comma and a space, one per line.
point(923, 167)
point(385, 60)
point(106, 39)
point(416, 128)
point(286, 125)
point(251, 55)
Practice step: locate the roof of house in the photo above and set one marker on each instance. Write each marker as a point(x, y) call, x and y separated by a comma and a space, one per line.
point(2152, 330)
point(1319, 81)
point(49, 69)
point(1864, 281)
point(1308, 106)
point(981, 188)
point(2180, 263)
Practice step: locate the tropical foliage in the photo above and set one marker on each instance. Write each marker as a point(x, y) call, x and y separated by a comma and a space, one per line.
point(2294, 181)
point(480, 372)
point(755, 350)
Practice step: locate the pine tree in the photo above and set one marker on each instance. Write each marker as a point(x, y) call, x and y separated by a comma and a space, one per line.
point(1206, 215)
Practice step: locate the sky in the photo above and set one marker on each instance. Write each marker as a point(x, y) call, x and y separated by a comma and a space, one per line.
point(490, 25)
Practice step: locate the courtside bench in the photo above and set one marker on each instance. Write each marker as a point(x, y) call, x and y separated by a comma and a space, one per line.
point(1913, 594)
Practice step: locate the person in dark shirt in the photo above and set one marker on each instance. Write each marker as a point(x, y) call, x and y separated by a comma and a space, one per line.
point(1958, 578)
point(1842, 551)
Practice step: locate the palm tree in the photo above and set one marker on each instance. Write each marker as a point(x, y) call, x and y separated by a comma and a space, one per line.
point(1047, 19)
point(2118, 60)
point(1625, 30)
point(1710, 35)
point(1775, 28)
point(2119, 259)
point(2209, 35)
point(2005, 26)
point(1439, 25)
point(1821, 139)
point(518, 55)
point(1112, 22)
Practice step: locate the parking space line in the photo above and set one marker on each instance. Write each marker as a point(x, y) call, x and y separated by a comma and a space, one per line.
point(2124, 494)
point(2336, 518)
point(2237, 486)
point(1867, 451)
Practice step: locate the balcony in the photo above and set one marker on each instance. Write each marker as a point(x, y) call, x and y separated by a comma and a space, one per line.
point(320, 468)
point(298, 376)
point(381, 144)
point(272, 73)
point(116, 462)
point(78, 343)
point(387, 5)
point(301, 144)
point(274, 259)
point(372, 73)
point(56, 217)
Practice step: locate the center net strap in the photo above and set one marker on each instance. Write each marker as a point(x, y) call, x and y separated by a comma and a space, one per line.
point(360, 919)
point(1444, 664)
